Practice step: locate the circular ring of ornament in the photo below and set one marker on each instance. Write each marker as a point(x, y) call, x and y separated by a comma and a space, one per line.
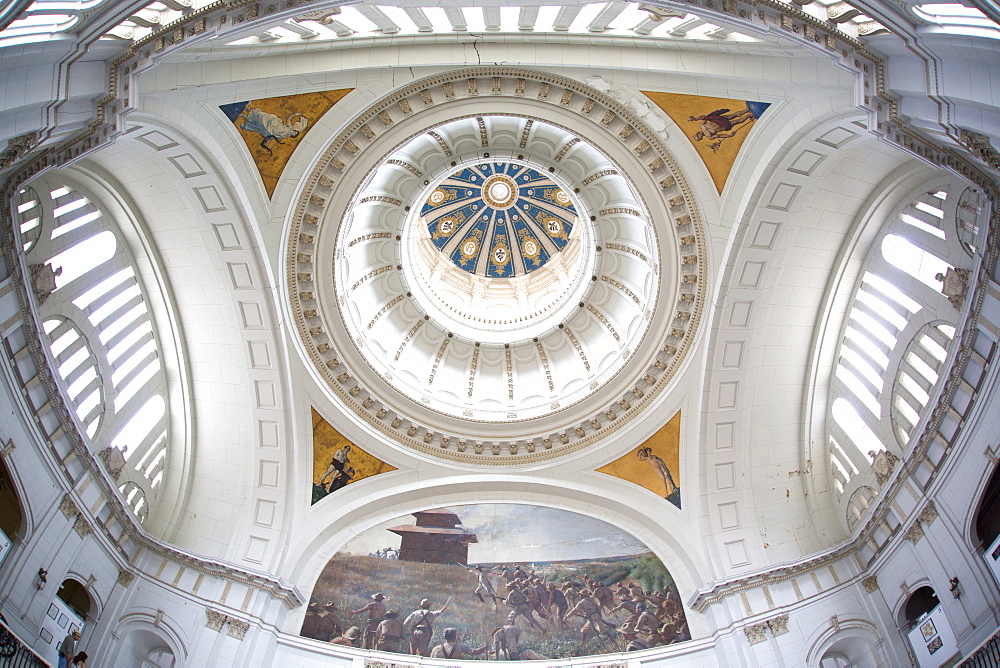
point(636, 206)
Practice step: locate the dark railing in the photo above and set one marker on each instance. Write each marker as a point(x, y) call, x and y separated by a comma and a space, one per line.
point(986, 655)
point(15, 653)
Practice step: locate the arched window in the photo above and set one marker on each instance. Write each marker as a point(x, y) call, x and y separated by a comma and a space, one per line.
point(915, 261)
point(895, 339)
point(100, 331)
point(920, 602)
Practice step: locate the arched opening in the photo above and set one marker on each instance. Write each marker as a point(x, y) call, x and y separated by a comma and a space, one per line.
point(921, 602)
point(849, 651)
point(145, 649)
point(67, 613)
point(75, 595)
point(987, 518)
point(11, 515)
point(924, 622)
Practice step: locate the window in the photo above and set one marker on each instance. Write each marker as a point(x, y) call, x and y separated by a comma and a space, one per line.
point(99, 331)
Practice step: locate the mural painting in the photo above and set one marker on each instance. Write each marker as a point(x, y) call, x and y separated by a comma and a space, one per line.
point(655, 464)
point(496, 581)
point(717, 127)
point(274, 126)
point(337, 462)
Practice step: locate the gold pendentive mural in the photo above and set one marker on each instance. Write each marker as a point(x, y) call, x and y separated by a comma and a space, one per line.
point(272, 127)
point(717, 127)
point(655, 464)
point(337, 462)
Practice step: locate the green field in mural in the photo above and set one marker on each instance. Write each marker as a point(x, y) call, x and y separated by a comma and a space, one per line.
point(514, 581)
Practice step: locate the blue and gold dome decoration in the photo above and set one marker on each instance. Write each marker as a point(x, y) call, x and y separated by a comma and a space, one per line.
point(499, 219)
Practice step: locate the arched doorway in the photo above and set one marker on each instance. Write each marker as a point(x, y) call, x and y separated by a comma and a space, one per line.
point(922, 619)
point(67, 612)
point(11, 513)
point(985, 530)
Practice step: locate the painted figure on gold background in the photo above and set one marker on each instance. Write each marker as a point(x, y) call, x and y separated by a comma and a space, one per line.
point(271, 127)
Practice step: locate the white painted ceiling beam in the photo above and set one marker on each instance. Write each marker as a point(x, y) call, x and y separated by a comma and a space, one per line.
point(565, 17)
point(419, 19)
point(385, 24)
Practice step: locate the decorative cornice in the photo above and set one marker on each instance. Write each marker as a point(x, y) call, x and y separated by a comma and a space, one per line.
point(384, 414)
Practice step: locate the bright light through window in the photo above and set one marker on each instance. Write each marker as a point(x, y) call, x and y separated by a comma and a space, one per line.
point(139, 427)
point(84, 256)
point(916, 262)
point(860, 434)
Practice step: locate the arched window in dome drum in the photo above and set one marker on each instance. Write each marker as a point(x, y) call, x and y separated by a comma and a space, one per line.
point(881, 387)
point(99, 330)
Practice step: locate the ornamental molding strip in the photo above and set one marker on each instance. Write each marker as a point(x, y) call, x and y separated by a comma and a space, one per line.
point(431, 98)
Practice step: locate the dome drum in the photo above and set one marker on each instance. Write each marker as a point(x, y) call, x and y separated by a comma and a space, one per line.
point(487, 356)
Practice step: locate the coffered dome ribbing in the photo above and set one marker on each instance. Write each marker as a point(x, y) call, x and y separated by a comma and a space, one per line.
point(492, 271)
point(499, 219)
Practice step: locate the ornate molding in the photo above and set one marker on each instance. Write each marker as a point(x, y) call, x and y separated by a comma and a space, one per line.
point(870, 583)
point(214, 619)
point(82, 527)
point(928, 514)
point(914, 533)
point(17, 148)
point(883, 464)
point(68, 507)
point(980, 146)
point(125, 577)
point(398, 420)
point(778, 625)
point(237, 628)
point(756, 633)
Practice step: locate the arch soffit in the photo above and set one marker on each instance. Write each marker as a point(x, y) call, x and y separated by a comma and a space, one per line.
point(827, 635)
point(248, 252)
point(164, 628)
point(971, 501)
point(159, 296)
point(894, 194)
point(27, 517)
point(745, 248)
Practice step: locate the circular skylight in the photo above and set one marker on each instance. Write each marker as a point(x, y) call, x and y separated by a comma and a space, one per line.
point(499, 219)
point(494, 250)
point(494, 287)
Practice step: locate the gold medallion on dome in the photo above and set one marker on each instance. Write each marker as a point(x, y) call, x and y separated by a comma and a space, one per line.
point(500, 191)
point(530, 248)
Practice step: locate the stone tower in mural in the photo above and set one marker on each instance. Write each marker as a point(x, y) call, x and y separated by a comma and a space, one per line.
point(437, 538)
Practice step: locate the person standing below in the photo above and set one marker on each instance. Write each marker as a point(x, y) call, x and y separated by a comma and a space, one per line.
point(67, 650)
point(420, 625)
point(80, 660)
point(452, 649)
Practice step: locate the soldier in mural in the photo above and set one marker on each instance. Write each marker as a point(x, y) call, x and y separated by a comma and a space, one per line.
point(556, 570)
point(451, 648)
point(376, 613)
point(389, 633)
point(420, 625)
